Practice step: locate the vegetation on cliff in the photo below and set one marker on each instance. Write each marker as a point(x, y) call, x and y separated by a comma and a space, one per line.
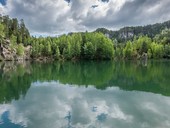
point(128, 33)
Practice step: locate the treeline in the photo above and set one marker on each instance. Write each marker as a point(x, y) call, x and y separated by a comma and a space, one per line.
point(12, 28)
point(75, 46)
point(87, 45)
point(97, 46)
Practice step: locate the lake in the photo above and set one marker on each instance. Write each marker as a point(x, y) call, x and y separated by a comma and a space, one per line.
point(93, 94)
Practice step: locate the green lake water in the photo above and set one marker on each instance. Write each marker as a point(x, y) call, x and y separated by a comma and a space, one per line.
point(93, 94)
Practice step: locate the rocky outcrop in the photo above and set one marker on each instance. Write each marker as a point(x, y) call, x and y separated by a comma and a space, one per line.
point(144, 56)
point(27, 52)
point(8, 53)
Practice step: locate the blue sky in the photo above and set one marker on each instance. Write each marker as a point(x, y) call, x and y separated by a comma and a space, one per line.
point(3, 2)
point(55, 17)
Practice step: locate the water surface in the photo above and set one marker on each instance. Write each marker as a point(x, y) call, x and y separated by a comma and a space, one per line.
point(85, 94)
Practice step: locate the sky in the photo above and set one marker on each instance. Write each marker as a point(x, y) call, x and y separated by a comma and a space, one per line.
point(55, 17)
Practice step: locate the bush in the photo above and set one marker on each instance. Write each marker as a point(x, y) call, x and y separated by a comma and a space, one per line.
point(20, 50)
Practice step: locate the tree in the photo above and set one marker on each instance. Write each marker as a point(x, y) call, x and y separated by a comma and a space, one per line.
point(41, 49)
point(149, 53)
point(163, 37)
point(67, 52)
point(157, 50)
point(6, 23)
point(75, 49)
point(13, 40)
point(57, 53)
point(14, 27)
point(35, 48)
point(128, 50)
point(143, 44)
point(167, 51)
point(103, 46)
point(1, 30)
point(49, 51)
point(119, 52)
point(62, 43)
point(89, 50)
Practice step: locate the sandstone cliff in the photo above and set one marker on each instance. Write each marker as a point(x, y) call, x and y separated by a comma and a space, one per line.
point(9, 53)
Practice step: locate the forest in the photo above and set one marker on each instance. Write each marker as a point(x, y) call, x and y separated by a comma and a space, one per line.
point(95, 45)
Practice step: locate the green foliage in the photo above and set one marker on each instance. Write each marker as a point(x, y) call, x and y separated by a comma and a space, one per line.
point(57, 53)
point(75, 49)
point(107, 48)
point(35, 49)
point(97, 46)
point(143, 44)
point(128, 33)
point(163, 37)
point(48, 50)
point(157, 50)
point(128, 50)
point(167, 50)
point(149, 53)
point(101, 46)
point(89, 50)
point(74, 46)
point(20, 50)
point(66, 51)
point(1, 30)
point(13, 40)
point(118, 52)
point(11, 27)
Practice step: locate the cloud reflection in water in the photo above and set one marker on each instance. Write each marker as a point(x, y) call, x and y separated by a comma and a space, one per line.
point(51, 104)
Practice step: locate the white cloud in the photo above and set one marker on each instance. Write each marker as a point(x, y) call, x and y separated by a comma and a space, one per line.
point(2, 9)
point(58, 16)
